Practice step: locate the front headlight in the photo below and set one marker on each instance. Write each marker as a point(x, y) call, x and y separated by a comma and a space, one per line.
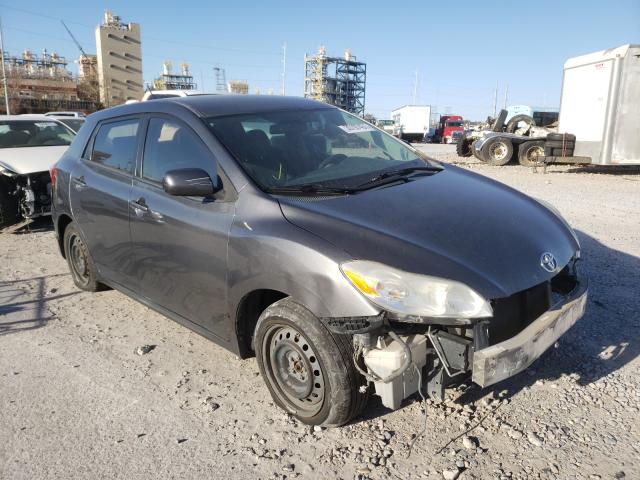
point(412, 294)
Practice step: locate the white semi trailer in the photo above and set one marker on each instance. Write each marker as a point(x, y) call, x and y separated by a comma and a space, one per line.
point(600, 105)
point(599, 121)
point(411, 122)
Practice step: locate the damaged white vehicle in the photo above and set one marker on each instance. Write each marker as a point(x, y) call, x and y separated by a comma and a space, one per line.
point(29, 146)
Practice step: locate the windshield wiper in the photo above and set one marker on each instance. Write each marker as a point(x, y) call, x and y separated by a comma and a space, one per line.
point(310, 188)
point(394, 175)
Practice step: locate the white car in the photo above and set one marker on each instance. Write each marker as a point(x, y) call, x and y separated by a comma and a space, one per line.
point(29, 146)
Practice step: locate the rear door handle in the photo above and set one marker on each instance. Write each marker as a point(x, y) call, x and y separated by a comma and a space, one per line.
point(79, 182)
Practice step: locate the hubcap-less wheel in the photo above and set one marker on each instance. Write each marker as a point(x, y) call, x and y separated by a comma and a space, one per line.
point(498, 151)
point(79, 259)
point(533, 153)
point(292, 367)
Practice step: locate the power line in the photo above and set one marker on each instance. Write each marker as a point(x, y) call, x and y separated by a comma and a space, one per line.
point(146, 37)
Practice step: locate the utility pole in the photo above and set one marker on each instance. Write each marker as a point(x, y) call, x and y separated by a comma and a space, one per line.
point(495, 101)
point(415, 89)
point(506, 96)
point(4, 74)
point(284, 67)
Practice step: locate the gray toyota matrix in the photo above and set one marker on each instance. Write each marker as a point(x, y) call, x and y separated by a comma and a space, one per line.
point(343, 259)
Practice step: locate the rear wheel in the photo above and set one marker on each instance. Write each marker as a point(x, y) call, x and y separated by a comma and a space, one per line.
point(308, 370)
point(83, 270)
point(529, 152)
point(497, 151)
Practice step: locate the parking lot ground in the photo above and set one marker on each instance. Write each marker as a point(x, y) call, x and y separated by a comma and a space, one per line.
point(78, 401)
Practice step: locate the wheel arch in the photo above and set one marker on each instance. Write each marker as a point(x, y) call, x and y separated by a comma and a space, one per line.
point(248, 312)
point(62, 223)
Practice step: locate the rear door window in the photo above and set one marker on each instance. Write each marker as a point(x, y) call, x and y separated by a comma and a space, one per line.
point(115, 145)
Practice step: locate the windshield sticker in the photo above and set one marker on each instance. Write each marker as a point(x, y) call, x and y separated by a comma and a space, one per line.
point(46, 124)
point(357, 128)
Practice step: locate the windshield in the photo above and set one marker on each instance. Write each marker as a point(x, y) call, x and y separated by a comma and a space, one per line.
point(33, 133)
point(454, 124)
point(324, 147)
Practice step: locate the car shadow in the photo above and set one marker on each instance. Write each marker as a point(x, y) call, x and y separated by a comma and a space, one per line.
point(40, 224)
point(22, 310)
point(603, 341)
point(606, 169)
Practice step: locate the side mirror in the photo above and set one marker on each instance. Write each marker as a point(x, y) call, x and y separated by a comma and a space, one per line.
point(190, 182)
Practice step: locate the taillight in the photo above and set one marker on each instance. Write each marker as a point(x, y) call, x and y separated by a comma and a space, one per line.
point(53, 172)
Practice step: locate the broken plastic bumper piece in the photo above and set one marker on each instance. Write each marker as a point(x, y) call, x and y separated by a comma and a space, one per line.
point(507, 358)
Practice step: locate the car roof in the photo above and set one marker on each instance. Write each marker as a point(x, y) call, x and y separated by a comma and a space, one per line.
point(222, 105)
point(215, 105)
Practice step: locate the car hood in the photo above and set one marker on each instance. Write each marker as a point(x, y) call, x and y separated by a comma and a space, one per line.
point(25, 160)
point(454, 224)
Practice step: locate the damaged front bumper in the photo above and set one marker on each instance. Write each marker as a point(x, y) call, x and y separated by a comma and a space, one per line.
point(394, 351)
point(512, 356)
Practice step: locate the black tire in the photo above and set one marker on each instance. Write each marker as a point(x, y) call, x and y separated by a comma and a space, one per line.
point(9, 212)
point(497, 151)
point(556, 144)
point(83, 270)
point(463, 147)
point(291, 344)
point(559, 137)
point(476, 153)
point(529, 152)
point(559, 152)
point(512, 124)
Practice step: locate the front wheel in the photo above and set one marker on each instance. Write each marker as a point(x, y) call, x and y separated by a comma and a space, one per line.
point(308, 370)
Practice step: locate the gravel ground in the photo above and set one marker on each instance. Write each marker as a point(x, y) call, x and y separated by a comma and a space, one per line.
point(99, 386)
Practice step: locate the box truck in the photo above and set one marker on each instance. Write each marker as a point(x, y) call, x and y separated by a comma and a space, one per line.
point(411, 122)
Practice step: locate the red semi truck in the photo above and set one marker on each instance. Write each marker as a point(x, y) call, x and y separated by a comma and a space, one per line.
point(449, 129)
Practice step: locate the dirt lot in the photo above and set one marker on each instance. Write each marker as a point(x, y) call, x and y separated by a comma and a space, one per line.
point(78, 401)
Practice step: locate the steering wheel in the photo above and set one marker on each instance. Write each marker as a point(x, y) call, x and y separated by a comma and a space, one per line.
point(332, 160)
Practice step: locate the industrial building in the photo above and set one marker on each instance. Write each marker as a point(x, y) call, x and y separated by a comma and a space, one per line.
point(174, 81)
point(240, 87)
point(38, 84)
point(337, 81)
point(119, 60)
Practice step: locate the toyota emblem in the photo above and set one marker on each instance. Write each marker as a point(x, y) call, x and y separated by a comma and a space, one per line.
point(548, 262)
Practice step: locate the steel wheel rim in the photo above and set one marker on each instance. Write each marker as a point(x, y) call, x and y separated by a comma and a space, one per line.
point(79, 259)
point(498, 151)
point(293, 369)
point(534, 153)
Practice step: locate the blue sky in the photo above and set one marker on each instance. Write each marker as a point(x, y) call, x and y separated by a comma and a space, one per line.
point(460, 49)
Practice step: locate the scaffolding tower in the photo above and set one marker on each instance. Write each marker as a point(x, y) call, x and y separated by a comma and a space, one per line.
point(337, 81)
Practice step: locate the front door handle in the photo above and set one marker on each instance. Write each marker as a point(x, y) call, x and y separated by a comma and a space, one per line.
point(140, 205)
